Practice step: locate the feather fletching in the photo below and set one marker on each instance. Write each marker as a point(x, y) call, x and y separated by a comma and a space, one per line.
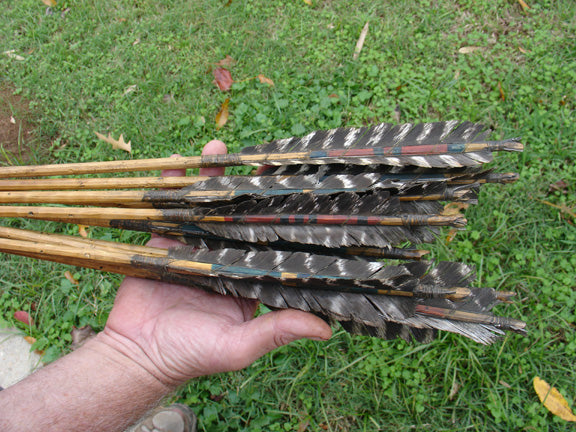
point(328, 227)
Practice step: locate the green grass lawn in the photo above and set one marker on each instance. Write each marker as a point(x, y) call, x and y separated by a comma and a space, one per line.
point(142, 68)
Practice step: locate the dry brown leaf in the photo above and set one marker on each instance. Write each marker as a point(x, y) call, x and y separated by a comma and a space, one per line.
point(553, 400)
point(559, 186)
point(70, 278)
point(501, 90)
point(116, 144)
point(470, 49)
point(82, 231)
point(303, 426)
point(49, 3)
point(265, 80)
point(222, 116)
point(360, 42)
point(453, 208)
point(226, 62)
point(524, 5)
point(522, 50)
point(223, 78)
point(451, 235)
point(31, 340)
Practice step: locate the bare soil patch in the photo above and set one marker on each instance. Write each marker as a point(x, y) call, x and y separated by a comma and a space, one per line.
point(17, 137)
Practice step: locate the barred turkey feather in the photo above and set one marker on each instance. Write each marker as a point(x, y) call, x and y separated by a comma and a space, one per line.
point(328, 227)
point(220, 189)
point(430, 145)
point(360, 312)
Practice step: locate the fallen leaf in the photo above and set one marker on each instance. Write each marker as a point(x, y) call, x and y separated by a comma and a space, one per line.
point(31, 340)
point(522, 50)
point(222, 116)
point(360, 42)
point(303, 426)
point(308, 2)
point(505, 384)
point(559, 186)
point(453, 208)
point(70, 278)
point(116, 144)
point(333, 95)
point(524, 5)
point(553, 400)
point(49, 3)
point(501, 90)
point(218, 397)
point(12, 54)
point(470, 49)
point(130, 89)
point(226, 62)
point(23, 317)
point(223, 78)
point(451, 235)
point(82, 231)
point(265, 80)
point(81, 335)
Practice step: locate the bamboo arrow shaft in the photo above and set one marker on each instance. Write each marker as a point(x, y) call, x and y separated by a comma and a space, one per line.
point(147, 199)
point(179, 182)
point(78, 242)
point(103, 217)
point(99, 183)
point(353, 155)
point(125, 259)
point(100, 198)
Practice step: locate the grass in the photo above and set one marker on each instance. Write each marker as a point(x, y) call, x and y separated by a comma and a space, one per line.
point(79, 65)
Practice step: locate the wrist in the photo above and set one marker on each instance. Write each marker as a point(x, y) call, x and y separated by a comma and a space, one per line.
point(131, 359)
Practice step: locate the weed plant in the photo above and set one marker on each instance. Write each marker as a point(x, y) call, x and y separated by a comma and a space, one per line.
point(142, 68)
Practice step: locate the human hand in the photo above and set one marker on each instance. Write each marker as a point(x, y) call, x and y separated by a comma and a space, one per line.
point(177, 332)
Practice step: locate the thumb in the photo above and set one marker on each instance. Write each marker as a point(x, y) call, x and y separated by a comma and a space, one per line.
point(275, 329)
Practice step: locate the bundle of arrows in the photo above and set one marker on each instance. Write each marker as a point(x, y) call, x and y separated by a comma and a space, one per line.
point(329, 227)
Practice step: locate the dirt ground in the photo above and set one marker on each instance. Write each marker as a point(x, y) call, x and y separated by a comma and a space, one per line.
point(16, 130)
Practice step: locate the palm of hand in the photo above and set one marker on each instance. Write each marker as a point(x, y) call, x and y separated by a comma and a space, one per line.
point(186, 332)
